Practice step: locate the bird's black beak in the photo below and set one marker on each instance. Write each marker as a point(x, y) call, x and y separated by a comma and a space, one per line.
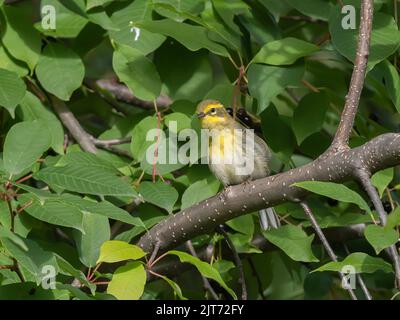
point(201, 115)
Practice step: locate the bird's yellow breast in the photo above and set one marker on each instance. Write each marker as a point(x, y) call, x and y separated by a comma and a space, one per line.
point(223, 144)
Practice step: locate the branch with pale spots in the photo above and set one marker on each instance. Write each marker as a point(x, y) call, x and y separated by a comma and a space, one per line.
point(202, 218)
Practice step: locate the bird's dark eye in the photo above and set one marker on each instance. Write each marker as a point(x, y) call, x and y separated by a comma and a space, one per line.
point(213, 111)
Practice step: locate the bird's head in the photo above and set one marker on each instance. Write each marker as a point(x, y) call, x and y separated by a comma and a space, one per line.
point(212, 114)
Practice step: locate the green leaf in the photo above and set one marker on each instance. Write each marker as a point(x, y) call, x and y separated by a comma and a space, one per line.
point(177, 121)
point(165, 159)
point(361, 262)
point(20, 38)
point(343, 220)
point(139, 144)
point(33, 259)
point(159, 194)
point(243, 224)
point(284, 51)
point(96, 232)
point(128, 281)
point(127, 236)
point(198, 191)
point(24, 144)
point(393, 219)
point(67, 269)
point(204, 268)
point(187, 75)
point(85, 180)
point(381, 179)
point(223, 267)
point(335, 191)
point(309, 115)
point(243, 244)
point(115, 251)
point(392, 83)
point(32, 109)
point(85, 159)
point(12, 90)
point(293, 241)
point(6, 233)
point(385, 38)
point(60, 70)
point(380, 238)
point(5, 215)
point(137, 72)
point(99, 17)
point(192, 37)
point(266, 82)
point(69, 23)
point(53, 211)
point(276, 8)
point(103, 208)
point(175, 9)
point(96, 3)
point(11, 64)
point(279, 136)
point(318, 9)
point(139, 10)
point(174, 286)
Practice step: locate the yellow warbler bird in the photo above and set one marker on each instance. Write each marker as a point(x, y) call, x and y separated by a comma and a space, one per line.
point(232, 150)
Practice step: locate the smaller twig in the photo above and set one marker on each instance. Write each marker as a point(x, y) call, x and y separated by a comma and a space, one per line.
point(110, 142)
point(206, 283)
point(17, 270)
point(341, 139)
point(324, 241)
point(364, 178)
point(34, 88)
point(303, 18)
point(154, 254)
point(10, 267)
point(123, 94)
point(24, 178)
point(72, 124)
point(238, 262)
point(26, 205)
point(395, 295)
point(154, 165)
point(390, 198)
point(258, 279)
point(109, 145)
point(310, 86)
point(360, 279)
point(94, 271)
point(101, 283)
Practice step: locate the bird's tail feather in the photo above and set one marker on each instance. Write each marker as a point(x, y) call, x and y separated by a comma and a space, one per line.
point(269, 219)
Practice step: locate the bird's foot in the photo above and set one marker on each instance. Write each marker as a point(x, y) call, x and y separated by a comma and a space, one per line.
point(224, 193)
point(246, 184)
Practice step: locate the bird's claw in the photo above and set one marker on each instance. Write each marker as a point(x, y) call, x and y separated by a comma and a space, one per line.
point(224, 193)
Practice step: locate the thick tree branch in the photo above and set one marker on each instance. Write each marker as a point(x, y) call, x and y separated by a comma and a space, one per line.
point(342, 135)
point(324, 241)
point(379, 153)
